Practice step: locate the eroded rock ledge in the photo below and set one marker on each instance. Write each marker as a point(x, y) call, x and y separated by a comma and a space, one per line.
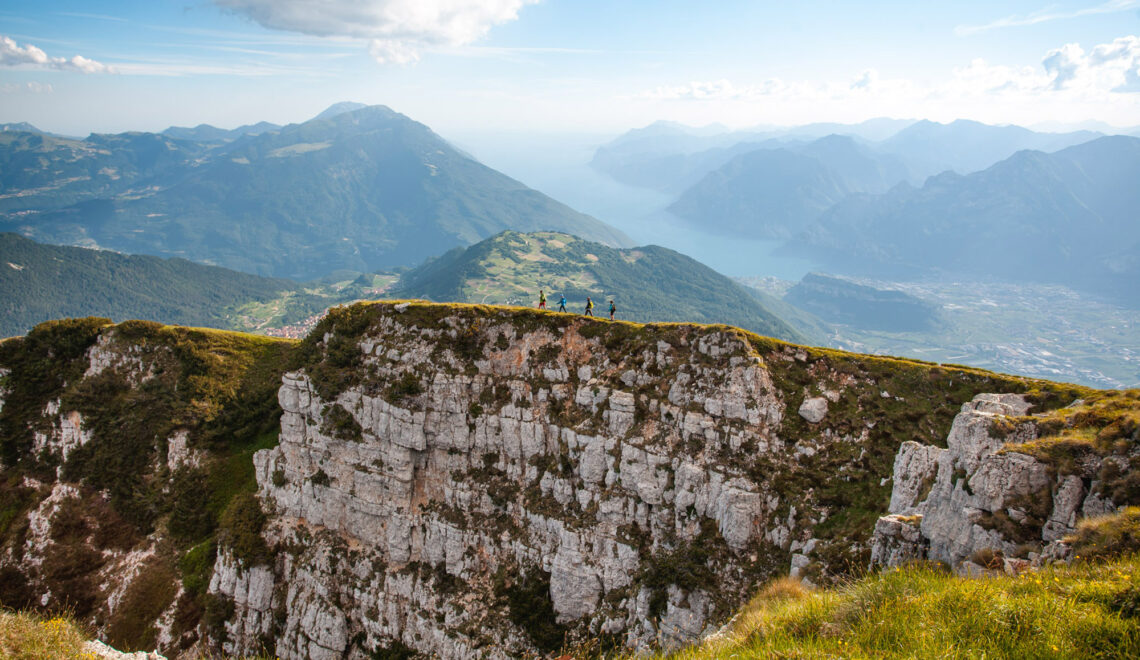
point(982, 497)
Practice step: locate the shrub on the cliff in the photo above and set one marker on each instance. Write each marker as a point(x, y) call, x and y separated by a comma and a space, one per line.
point(149, 594)
point(526, 594)
point(687, 567)
point(406, 387)
point(40, 363)
point(340, 424)
point(240, 530)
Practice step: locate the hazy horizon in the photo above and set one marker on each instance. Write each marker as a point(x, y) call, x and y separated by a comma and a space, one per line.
point(552, 66)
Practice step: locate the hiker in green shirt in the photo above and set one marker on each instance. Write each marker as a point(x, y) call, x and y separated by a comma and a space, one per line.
point(541, 299)
point(589, 306)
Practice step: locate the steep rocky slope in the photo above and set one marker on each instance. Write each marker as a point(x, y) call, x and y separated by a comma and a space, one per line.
point(456, 480)
point(1009, 488)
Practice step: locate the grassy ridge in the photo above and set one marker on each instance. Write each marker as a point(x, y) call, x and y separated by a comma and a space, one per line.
point(1087, 610)
point(648, 283)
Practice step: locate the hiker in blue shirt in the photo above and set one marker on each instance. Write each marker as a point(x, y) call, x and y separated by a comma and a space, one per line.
point(613, 309)
point(562, 303)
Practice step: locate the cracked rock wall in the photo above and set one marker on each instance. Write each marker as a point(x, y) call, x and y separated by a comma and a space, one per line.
point(449, 456)
point(981, 494)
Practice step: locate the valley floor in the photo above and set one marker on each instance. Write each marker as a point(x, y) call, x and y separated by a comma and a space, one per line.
point(1040, 331)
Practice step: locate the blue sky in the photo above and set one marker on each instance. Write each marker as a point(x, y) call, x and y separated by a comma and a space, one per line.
point(566, 65)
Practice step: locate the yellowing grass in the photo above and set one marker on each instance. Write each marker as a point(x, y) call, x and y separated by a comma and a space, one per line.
point(32, 637)
point(1083, 611)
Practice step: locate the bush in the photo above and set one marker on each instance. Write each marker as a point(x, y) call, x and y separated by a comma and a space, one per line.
point(340, 424)
point(527, 596)
point(240, 530)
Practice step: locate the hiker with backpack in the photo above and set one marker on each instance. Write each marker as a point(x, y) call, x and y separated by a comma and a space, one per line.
point(613, 308)
point(541, 299)
point(589, 306)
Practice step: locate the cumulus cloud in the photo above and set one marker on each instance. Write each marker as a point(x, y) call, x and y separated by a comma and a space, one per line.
point(13, 54)
point(397, 30)
point(1114, 66)
point(1064, 64)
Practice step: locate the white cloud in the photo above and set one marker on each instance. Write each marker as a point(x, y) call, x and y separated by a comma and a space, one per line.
point(1069, 83)
point(13, 54)
point(397, 30)
point(31, 87)
point(714, 90)
point(1113, 66)
point(1064, 64)
point(1046, 15)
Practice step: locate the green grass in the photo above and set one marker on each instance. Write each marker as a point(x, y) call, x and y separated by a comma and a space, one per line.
point(1087, 610)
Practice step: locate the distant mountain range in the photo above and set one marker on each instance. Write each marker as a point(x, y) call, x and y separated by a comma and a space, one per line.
point(778, 192)
point(671, 157)
point(1069, 217)
point(357, 188)
point(647, 283)
point(964, 146)
point(208, 133)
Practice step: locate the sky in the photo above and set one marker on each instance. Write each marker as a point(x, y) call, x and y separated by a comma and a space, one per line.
point(566, 66)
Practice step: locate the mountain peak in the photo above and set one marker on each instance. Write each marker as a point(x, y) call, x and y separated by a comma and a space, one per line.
point(22, 126)
point(339, 109)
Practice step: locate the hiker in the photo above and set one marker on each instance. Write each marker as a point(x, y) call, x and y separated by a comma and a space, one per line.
point(562, 303)
point(541, 299)
point(589, 306)
point(613, 309)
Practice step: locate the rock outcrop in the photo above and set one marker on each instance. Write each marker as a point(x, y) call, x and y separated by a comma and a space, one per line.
point(981, 496)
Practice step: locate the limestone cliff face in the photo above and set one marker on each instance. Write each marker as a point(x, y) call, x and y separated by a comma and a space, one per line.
point(461, 481)
point(987, 492)
point(637, 482)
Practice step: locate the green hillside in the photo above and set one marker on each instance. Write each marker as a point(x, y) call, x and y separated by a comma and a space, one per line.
point(647, 284)
point(362, 190)
point(44, 282)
